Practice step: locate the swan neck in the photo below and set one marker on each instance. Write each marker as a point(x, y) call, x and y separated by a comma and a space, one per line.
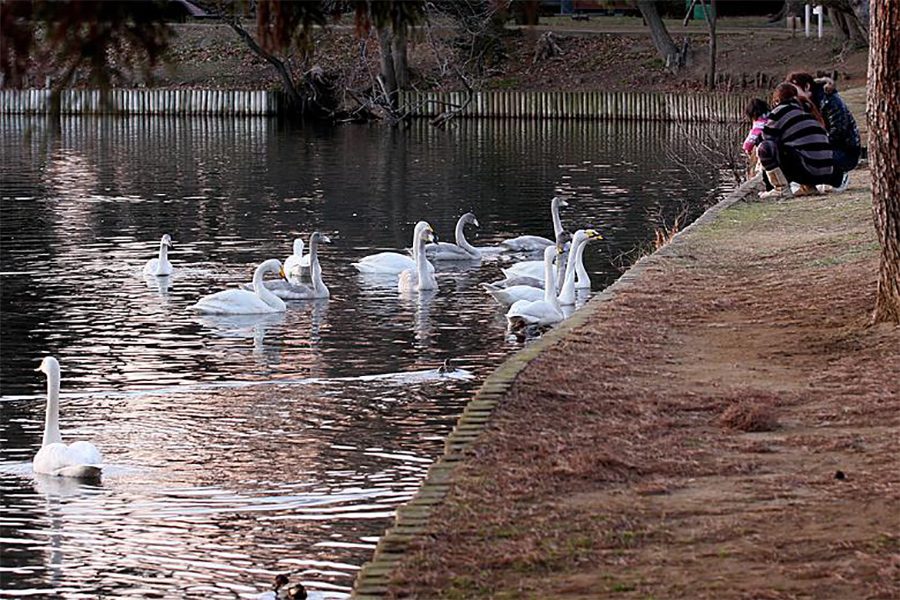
point(163, 253)
point(569, 281)
point(315, 271)
point(579, 266)
point(51, 420)
point(554, 213)
point(261, 290)
point(549, 282)
point(461, 240)
point(421, 260)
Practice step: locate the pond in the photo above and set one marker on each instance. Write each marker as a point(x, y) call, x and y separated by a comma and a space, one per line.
point(238, 448)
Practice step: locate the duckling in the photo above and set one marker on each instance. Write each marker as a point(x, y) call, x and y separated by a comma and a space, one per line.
point(447, 367)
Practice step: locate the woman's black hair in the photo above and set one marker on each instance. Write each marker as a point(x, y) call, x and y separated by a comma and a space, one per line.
point(757, 108)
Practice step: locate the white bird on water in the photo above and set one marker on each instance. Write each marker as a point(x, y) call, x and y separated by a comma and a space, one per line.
point(79, 459)
point(244, 302)
point(160, 266)
point(531, 243)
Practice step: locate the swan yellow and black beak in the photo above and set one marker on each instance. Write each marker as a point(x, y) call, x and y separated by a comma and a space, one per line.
point(593, 234)
point(281, 273)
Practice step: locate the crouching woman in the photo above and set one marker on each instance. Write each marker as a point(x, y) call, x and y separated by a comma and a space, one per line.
point(794, 148)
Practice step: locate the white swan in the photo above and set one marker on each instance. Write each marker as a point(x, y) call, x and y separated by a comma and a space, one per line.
point(421, 278)
point(296, 264)
point(583, 281)
point(80, 459)
point(510, 294)
point(541, 312)
point(390, 263)
point(461, 250)
point(518, 280)
point(244, 302)
point(535, 268)
point(576, 254)
point(294, 290)
point(160, 266)
point(531, 243)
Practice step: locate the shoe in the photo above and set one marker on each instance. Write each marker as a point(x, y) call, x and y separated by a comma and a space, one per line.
point(778, 192)
point(845, 183)
point(806, 190)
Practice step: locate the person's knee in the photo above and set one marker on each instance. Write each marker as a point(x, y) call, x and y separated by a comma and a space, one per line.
point(768, 155)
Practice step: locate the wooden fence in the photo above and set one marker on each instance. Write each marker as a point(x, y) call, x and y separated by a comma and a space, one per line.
point(652, 106)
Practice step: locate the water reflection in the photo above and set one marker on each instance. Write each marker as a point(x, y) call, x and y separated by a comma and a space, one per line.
point(281, 443)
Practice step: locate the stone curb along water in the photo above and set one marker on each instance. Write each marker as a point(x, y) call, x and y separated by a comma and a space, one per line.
point(412, 518)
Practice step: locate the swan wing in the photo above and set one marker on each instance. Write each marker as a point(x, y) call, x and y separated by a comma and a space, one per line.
point(232, 302)
point(510, 295)
point(527, 268)
point(287, 290)
point(534, 313)
point(81, 459)
point(526, 243)
point(151, 266)
point(447, 251)
point(388, 263)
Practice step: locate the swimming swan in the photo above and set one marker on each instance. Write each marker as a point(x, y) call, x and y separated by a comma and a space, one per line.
point(293, 289)
point(541, 312)
point(576, 255)
point(160, 266)
point(390, 263)
point(421, 278)
point(510, 294)
point(296, 264)
point(244, 302)
point(80, 459)
point(530, 243)
point(461, 250)
point(535, 268)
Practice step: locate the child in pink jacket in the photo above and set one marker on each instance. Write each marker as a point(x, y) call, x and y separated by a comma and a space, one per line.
point(757, 112)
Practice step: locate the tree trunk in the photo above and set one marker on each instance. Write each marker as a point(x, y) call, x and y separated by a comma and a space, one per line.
point(658, 33)
point(401, 64)
point(710, 11)
point(840, 25)
point(286, 80)
point(884, 152)
point(386, 62)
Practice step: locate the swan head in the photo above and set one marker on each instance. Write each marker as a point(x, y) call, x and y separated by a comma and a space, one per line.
point(470, 218)
point(166, 241)
point(559, 201)
point(273, 265)
point(320, 238)
point(298, 246)
point(593, 234)
point(562, 239)
point(425, 231)
point(50, 366)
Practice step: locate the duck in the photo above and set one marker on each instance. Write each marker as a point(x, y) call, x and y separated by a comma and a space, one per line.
point(533, 243)
point(160, 266)
point(283, 589)
point(296, 265)
point(421, 278)
point(245, 302)
point(391, 263)
point(292, 289)
point(546, 311)
point(80, 459)
point(461, 250)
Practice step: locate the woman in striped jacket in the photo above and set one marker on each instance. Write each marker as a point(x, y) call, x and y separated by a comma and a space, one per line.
point(794, 148)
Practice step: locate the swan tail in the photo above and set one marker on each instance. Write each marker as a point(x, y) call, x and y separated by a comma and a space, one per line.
point(80, 471)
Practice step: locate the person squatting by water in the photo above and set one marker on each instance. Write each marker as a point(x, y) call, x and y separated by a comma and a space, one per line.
point(757, 112)
point(843, 133)
point(794, 147)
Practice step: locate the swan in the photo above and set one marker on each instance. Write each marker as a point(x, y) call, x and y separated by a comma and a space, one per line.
point(244, 302)
point(390, 263)
point(535, 268)
point(421, 278)
point(294, 290)
point(531, 243)
point(461, 250)
point(583, 282)
point(517, 280)
point(80, 459)
point(541, 312)
point(160, 266)
point(576, 254)
point(296, 264)
point(510, 294)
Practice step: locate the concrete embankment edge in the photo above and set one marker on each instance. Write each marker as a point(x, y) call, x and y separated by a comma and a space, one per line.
point(372, 582)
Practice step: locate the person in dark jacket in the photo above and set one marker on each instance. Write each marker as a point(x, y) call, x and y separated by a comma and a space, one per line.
point(794, 148)
point(843, 133)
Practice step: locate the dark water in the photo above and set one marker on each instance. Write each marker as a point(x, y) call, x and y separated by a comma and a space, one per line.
point(242, 447)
